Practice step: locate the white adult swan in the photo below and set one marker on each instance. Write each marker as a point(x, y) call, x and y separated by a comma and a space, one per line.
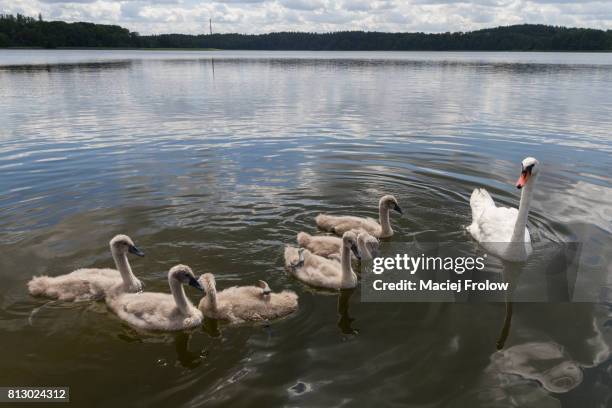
point(503, 231)
point(92, 283)
point(380, 229)
point(239, 304)
point(160, 311)
point(321, 272)
point(330, 247)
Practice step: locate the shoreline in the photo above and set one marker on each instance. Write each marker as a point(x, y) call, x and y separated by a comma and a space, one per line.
point(294, 50)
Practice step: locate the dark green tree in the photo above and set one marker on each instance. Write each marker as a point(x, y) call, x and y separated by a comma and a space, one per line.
point(22, 31)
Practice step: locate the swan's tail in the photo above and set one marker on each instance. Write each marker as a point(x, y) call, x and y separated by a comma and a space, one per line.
point(38, 285)
point(325, 222)
point(303, 239)
point(294, 258)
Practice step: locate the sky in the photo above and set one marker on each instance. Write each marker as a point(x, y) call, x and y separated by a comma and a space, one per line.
point(259, 16)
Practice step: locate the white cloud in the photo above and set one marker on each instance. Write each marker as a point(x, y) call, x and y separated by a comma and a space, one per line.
point(256, 16)
point(302, 4)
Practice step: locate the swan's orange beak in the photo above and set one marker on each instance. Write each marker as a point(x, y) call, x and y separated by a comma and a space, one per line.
point(522, 179)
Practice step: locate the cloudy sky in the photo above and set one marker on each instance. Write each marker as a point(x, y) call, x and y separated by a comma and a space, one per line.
point(255, 16)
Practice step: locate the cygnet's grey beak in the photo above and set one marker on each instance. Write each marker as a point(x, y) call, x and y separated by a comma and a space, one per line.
point(133, 250)
point(398, 209)
point(375, 253)
point(300, 260)
point(265, 289)
point(194, 282)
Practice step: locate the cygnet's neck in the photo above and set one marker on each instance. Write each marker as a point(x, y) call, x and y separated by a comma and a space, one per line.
point(345, 261)
point(364, 252)
point(178, 292)
point(518, 234)
point(123, 266)
point(383, 218)
point(211, 295)
point(361, 246)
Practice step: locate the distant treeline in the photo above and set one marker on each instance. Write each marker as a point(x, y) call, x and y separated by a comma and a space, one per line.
point(22, 31)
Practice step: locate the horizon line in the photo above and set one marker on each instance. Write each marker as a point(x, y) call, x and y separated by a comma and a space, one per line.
point(322, 32)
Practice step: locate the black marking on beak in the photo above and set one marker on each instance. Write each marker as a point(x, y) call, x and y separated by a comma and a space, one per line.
point(265, 289)
point(194, 282)
point(398, 208)
point(133, 250)
point(300, 260)
point(356, 251)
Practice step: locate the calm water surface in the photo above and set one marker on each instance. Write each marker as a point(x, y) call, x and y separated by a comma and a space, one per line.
point(217, 159)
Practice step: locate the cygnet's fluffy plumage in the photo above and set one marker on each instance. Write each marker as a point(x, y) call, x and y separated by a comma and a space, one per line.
point(92, 283)
point(239, 304)
point(160, 311)
point(380, 229)
point(321, 272)
point(330, 247)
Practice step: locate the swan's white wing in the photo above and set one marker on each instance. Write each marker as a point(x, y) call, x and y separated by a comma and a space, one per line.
point(496, 224)
point(490, 223)
point(493, 227)
point(480, 201)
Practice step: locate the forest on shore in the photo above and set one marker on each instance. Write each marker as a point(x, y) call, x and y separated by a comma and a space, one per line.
point(23, 31)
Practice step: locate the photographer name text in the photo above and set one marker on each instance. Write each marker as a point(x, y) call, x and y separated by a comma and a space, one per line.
point(433, 286)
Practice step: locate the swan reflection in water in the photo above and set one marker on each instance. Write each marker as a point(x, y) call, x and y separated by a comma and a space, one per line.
point(505, 330)
point(511, 274)
point(345, 321)
point(549, 277)
point(211, 327)
point(185, 357)
point(527, 370)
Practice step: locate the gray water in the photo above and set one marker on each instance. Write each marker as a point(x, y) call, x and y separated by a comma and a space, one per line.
point(217, 160)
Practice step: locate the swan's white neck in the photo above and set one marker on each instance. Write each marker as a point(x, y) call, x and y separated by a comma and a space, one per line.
point(518, 235)
point(178, 292)
point(123, 266)
point(347, 271)
point(383, 218)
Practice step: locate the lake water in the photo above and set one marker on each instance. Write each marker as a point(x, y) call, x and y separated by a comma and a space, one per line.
point(217, 160)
